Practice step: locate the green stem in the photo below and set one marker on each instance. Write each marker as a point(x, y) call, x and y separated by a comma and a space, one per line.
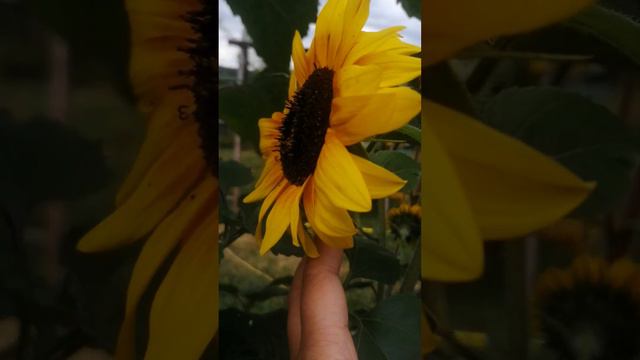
point(413, 271)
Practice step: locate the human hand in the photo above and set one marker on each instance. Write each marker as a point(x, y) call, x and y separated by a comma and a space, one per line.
point(318, 320)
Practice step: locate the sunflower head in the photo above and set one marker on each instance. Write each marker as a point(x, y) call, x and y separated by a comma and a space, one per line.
point(591, 310)
point(405, 221)
point(344, 89)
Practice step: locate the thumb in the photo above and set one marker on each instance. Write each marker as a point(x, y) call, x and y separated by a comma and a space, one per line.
point(324, 314)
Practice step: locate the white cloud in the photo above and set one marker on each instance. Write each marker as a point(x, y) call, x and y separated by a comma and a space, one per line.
point(382, 14)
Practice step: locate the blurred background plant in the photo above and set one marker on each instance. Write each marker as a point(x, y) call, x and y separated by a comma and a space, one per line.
point(68, 134)
point(572, 91)
point(381, 272)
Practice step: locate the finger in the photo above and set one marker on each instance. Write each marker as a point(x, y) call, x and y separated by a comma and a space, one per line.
point(324, 314)
point(293, 317)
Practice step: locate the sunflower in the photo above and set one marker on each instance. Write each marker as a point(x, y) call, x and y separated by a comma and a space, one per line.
point(405, 221)
point(591, 310)
point(344, 89)
point(479, 183)
point(170, 197)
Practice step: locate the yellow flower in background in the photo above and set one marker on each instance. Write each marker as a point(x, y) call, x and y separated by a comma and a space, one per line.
point(170, 197)
point(405, 221)
point(344, 89)
point(478, 183)
point(590, 310)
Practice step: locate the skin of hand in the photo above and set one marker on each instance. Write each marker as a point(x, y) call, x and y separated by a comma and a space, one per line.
point(318, 320)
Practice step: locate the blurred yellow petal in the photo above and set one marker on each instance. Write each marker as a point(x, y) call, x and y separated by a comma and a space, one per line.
point(162, 188)
point(163, 127)
point(428, 339)
point(451, 243)
point(512, 188)
point(380, 181)
point(194, 210)
point(448, 26)
point(184, 313)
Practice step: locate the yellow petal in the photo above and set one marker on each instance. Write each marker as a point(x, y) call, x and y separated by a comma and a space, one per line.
point(299, 61)
point(266, 205)
point(397, 69)
point(356, 14)
point(322, 36)
point(358, 117)
point(162, 188)
point(338, 177)
point(451, 243)
point(356, 80)
point(307, 243)
point(340, 242)
point(280, 217)
point(184, 313)
point(324, 216)
point(269, 133)
point(384, 41)
point(428, 339)
point(163, 126)
point(380, 181)
point(295, 214)
point(512, 188)
point(197, 208)
point(270, 177)
point(451, 25)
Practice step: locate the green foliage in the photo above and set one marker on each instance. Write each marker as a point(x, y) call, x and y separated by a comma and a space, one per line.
point(412, 7)
point(232, 173)
point(400, 164)
point(271, 25)
point(242, 105)
point(391, 331)
point(245, 336)
point(582, 135)
point(369, 260)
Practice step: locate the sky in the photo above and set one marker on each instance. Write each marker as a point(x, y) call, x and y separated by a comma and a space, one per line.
point(382, 14)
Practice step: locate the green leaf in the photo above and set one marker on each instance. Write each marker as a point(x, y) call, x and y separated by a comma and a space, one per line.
point(411, 132)
point(582, 135)
point(401, 165)
point(271, 25)
point(244, 335)
point(241, 106)
point(391, 331)
point(611, 27)
point(285, 247)
point(369, 260)
point(412, 7)
point(233, 174)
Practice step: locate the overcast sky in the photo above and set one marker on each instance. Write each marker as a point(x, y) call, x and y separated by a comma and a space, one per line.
point(383, 14)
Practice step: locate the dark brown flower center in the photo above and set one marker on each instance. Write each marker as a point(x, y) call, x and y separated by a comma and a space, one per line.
point(305, 125)
point(203, 53)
